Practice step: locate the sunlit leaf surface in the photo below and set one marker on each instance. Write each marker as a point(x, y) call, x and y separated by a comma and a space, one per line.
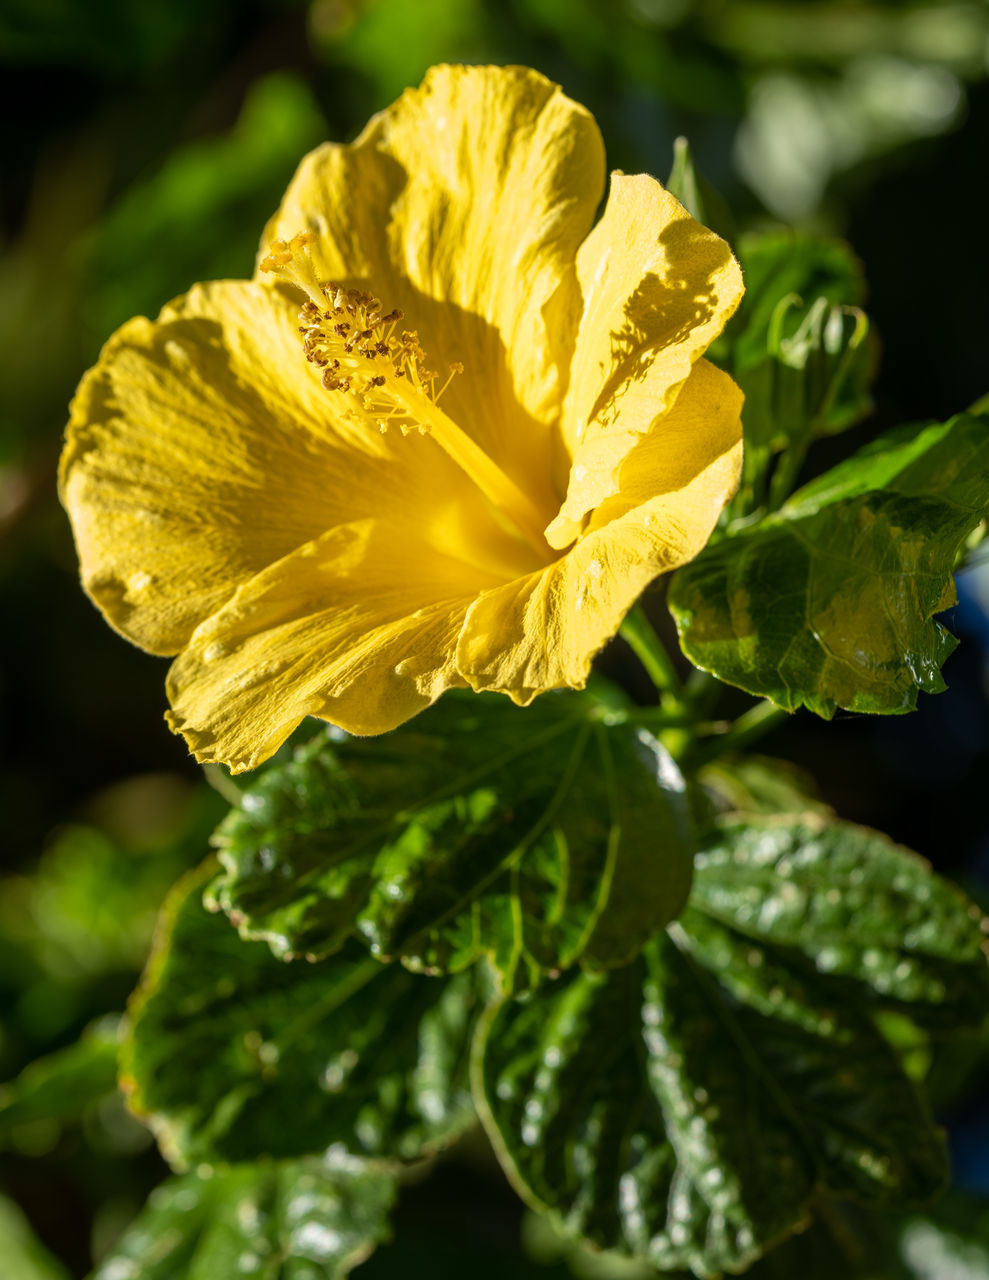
point(545, 834)
point(831, 602)
point(688, 1108)
point(284, 1220)
point(234, 1054)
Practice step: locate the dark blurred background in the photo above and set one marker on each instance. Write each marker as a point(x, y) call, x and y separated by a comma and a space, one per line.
point(144, 146)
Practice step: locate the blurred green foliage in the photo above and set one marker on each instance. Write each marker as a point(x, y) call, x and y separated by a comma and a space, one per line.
point(146, 145)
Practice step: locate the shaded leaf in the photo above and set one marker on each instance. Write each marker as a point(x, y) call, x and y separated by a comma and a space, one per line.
point(24, 1257)
point(798, 348)
point(197, 217)
point(234, 1054)
point(61, 1085)
point(830, 602)
point(550, 834)
point(653, 1112)
point(701, 200)
point(285, 1220)
point(760, 784)
point(781, 264)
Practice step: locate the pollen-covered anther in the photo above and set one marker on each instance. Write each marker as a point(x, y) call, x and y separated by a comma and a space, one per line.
point(354, 343)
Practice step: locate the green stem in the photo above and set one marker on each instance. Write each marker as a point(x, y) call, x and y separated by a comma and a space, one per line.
point(785, 475)
point(638, 634)
point(748, 728)
point(702, 691)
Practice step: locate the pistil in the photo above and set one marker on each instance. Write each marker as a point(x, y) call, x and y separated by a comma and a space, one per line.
point(361, 354)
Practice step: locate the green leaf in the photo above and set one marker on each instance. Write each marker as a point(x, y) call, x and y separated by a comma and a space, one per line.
point(286, 1220)
point(760, 784)
point(197, 216)
point(24, 1257)
point(689, 1109)
point(701, 200)
point(830, 602)
point(950, 1241)
point(234, 1054)
point(798, 349)
point(61, 1085)
point(813, 378)
point(550, 834)
point(859, 908)
point(855, 1242)
point(782, 264)
point(654, 1113)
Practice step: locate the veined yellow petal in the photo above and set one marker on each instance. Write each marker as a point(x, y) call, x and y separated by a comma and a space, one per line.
point(704, 424)
point(278, 494)
point(542, 632)
point(202, 448)
point(359, 627)
point(464, 204)
point(658, 288)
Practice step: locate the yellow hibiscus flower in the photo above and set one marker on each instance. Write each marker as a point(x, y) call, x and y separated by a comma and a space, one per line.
point(345, 509)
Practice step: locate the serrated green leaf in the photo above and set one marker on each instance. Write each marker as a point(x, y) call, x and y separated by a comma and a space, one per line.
point(654, 1113)
point(858, 908)
point(548, 834)
point(233, 1054)
point(285, 1220)
point(831, 602)
point(61, 1085)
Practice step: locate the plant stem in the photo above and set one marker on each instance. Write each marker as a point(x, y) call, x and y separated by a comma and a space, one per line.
point(638, 634)
point(785, 475)
point(748, 728)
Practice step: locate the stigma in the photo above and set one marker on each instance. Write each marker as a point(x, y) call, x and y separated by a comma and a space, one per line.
point(363, 356)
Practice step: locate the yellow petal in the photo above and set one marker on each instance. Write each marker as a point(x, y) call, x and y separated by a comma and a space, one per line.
point(202, 449)
point(704, 424)
point(358, 627)
point(542, 631)
point(658, 288)
point(464, 204)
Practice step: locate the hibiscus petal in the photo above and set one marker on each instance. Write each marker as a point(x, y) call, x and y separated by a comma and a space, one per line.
point(358, 627)
point(202, 449)
point(658, 288)
point(704, 423)
point(464, 204)
point(542, 631)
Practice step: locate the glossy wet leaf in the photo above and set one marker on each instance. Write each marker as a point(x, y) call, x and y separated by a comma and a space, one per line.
point(61, 1085)
point(831, 602)
point(655, 1111)
point(549, 834)
point(234, 1054)
point(846, 1241)
point(282, 1220)
point(859, 909)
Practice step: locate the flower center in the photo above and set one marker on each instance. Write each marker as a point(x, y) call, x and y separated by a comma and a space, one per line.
point(362, 354)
